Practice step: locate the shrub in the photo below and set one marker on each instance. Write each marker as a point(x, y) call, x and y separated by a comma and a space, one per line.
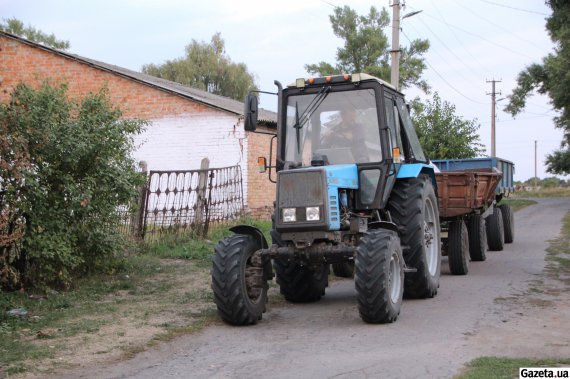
point(65, 166)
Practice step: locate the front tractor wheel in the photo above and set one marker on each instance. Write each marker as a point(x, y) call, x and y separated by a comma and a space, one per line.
point(413, 207)
point(240, 290)
point(379, 276)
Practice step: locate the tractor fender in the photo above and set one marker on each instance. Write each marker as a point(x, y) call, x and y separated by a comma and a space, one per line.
point(413, 170)
point(249, 230)
point(257, 234)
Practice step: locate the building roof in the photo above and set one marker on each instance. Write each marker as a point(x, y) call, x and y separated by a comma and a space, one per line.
point(223, 103)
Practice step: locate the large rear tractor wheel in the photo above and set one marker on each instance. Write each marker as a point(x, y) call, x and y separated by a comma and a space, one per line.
point(413, 207)
point(240, 291)
point(301, 284)
point(458, 252)
point(495, 230)
point(379, 276)
point(344, 269)
point(477, 231)
point(508, 222)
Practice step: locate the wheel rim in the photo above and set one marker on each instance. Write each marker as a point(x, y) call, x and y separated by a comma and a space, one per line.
point(252, 279)
point(431, 236)
point(395, 278)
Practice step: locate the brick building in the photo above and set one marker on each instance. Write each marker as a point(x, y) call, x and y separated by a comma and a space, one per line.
point(186, 124)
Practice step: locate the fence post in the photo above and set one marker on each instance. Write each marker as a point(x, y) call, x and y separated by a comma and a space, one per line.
point(199, 219)
point(137, 220)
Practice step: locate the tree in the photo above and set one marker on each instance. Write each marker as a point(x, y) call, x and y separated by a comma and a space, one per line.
point(551, 78)
point(65, 167)
point(206, 66)
point(366, 49)
point(442, 133)
point(16, 27)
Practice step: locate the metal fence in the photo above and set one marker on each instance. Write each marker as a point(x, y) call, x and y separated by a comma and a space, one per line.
point(189, 201)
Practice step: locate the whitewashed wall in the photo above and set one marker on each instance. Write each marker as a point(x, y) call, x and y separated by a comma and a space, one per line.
point(180, 143)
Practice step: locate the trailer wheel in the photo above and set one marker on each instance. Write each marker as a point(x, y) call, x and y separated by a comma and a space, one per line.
point(343, 269)
point(458, 252)
point(379, 276)
point(477, 232)
point(508, 222)
point(413, 207)
point(240, 292)
point(495, 230)
point(301, 284)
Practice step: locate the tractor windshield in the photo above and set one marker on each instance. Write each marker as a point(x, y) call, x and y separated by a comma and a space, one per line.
point(332, 127)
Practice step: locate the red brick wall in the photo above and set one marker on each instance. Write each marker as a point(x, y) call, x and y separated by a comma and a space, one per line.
point(261, 193)
point(20, 62)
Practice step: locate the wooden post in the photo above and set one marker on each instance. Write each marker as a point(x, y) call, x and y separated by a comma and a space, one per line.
point(137, 218)
point(199, 217)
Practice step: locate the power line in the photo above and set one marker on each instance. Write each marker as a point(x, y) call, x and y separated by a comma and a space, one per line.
point(442, 78)
point(460, 43)
point(450, 51)
point(331, 4)
point(480, 37)
point(515, 8)
point(541, 48)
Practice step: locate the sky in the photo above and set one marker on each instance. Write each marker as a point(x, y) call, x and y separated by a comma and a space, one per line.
point(472, 42)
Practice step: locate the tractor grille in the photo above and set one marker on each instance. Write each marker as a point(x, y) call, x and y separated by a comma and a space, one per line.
point(300, 189)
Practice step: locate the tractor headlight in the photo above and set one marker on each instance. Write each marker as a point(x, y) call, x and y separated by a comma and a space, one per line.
point(313, 214)
point(289, 215)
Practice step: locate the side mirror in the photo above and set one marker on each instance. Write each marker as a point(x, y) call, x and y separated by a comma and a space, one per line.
point(250, 112)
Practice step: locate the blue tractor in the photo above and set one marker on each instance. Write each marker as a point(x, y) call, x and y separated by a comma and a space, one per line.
point(354, 191)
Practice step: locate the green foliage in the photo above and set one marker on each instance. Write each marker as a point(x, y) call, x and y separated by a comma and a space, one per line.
point(366, 49)
point(75, 169)
point(206, 66)
point(16, 27)
point(551, 78)
point(442, 133)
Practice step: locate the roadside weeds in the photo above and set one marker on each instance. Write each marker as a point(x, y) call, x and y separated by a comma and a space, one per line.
point(161, 292)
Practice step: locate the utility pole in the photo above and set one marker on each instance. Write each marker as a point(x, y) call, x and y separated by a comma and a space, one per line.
point(535, 166)
point(493, 105)
point(395, 75)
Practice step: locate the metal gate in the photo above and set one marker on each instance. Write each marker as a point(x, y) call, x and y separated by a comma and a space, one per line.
point(189, 201)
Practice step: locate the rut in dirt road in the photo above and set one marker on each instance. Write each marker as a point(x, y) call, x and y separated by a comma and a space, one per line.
point(327, 339)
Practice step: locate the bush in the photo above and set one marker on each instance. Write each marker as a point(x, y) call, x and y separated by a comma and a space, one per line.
point(65, 167)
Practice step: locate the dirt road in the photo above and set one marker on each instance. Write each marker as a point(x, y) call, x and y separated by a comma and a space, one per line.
point(481, 314)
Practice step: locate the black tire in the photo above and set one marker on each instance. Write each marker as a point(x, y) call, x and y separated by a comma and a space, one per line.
point(413, 207)
point(458, 252)
point(508, 222)
point(238, 302)
point(379, 276)
point(343, 269)
point(495, 230)
point(301, 284)
point(477, 232)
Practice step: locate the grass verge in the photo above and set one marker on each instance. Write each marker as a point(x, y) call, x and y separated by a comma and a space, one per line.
point(558, 267)
point(544, 192)
point(518, 204)
point(158, 294)
point(507, 368)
